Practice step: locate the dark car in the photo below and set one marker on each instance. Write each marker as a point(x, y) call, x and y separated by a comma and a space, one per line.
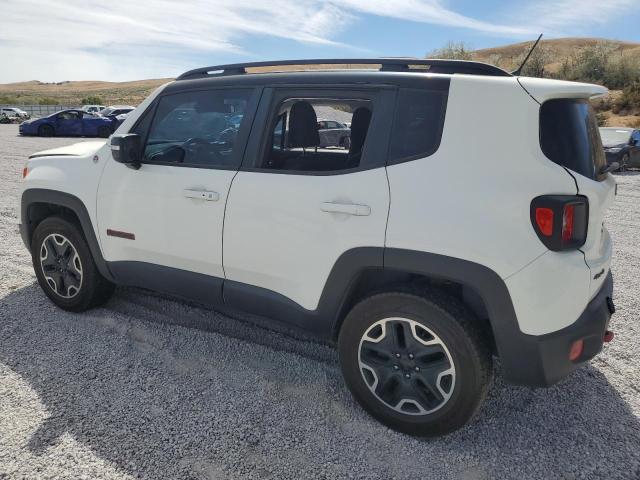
point(621, 145)
point(68, 123)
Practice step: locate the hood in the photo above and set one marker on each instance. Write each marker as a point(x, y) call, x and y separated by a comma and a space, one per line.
point(82, 149)
point(614, 145)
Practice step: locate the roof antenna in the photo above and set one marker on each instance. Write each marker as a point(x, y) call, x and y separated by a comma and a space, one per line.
point(519, 70)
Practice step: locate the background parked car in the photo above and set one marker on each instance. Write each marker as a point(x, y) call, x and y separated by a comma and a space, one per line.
point(114, 110)
point(334, 134)
point(68, 122)
point(92, 108)
point(621, 145)
point(14, 112)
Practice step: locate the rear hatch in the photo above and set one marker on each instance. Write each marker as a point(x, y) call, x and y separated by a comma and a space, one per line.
point(569, 136)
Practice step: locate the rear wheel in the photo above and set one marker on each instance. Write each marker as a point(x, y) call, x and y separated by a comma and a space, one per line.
point(65, 268)
point(104, 132)
point(46, 131)
point(624, 163)
point(345, 142)
point(417, 364)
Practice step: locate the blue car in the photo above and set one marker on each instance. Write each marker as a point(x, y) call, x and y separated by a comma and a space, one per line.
point(68, 123)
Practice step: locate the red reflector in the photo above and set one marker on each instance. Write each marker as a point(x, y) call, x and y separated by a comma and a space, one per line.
point(576, 350)
point(544, 219)
point(567, 222)
point(25, 171)
point(608, 336)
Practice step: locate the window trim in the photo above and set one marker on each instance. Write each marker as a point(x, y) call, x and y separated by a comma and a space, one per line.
point(383, 101)
point(243, 132)
point(442, 120)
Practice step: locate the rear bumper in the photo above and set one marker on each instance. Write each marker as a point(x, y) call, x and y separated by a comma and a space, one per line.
point(544, 359)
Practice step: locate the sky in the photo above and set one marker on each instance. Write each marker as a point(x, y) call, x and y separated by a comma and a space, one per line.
point(116, 40)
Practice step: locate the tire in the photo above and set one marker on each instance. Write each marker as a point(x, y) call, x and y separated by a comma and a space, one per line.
point(46, 131)
point(624, 163)
point(345, 142)
point(104, 132)
point(438, 388)
point(59, 250)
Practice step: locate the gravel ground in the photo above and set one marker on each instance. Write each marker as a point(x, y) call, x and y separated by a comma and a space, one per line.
point(148, 387)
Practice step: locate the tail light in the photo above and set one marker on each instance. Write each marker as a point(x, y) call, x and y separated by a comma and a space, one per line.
point(25, 172)
point(560, 220)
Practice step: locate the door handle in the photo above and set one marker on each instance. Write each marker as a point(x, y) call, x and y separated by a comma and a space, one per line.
point(348, 208)
point(202, 195)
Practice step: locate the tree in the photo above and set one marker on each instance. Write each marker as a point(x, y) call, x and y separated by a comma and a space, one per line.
point(92, 100)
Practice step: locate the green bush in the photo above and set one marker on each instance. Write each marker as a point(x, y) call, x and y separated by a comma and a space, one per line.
point(630, 98)
point(47, 101)
point(92, 100)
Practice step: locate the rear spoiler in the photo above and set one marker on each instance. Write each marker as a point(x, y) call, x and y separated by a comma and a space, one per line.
point(543, 89)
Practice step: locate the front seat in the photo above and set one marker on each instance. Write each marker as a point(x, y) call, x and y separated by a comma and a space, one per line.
point(359, 127)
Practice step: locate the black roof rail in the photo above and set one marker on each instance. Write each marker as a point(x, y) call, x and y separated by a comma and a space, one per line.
point(386, 64)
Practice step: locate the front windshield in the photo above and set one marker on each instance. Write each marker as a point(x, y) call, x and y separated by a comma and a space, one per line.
point(614, 136)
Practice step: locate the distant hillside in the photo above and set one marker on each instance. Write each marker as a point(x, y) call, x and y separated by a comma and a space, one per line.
point(71, 93)
point(508, 56)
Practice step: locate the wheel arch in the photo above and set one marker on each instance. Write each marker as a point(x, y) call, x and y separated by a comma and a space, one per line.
point(478, 287)
point(38, 204)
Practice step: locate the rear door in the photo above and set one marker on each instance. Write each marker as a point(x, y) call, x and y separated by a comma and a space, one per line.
point(570, 136)
point(295, 207)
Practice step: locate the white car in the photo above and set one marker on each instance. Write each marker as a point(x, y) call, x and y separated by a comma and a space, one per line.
point(465, 221)
point(14, 112)
point(92, 108)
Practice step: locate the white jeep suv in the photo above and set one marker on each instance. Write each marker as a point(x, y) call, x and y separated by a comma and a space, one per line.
point(464, 221)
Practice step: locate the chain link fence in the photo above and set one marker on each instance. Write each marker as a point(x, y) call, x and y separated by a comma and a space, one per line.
point(41, 110)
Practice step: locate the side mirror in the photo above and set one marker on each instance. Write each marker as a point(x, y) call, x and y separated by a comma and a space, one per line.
point(126, 149)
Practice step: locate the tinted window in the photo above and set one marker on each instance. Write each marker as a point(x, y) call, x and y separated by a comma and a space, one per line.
point(636, 135)
point(197, 128)
point(299, 142)
point(569, 136)
point(69, 115)
point(418, 123)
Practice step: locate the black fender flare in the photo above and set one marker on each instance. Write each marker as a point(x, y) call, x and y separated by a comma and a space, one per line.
point(33, 196)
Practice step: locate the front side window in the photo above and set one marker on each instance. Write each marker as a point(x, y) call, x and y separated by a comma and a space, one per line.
point(299, 142)
point(418, 124)
point(68, 116)
point(197, 129)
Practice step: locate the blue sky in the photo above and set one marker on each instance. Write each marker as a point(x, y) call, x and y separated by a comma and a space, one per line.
point(50, 40)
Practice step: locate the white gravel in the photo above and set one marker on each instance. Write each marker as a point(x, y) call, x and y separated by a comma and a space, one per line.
point(149, 387)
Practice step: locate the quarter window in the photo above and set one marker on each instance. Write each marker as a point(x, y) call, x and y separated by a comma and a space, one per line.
point(197, 129)
point(418, 124)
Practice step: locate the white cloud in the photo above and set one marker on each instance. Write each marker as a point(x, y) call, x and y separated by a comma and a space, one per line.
point(565, 17)
point(118, 40)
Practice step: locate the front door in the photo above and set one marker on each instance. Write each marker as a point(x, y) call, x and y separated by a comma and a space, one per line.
point(161, 225)
point(296, 207)
point(69, 123)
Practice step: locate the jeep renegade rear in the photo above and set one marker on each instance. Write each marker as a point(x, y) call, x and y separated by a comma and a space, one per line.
point(463, 220)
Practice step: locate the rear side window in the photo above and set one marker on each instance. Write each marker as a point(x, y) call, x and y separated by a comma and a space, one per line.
point(569, 136)
point(418, 124)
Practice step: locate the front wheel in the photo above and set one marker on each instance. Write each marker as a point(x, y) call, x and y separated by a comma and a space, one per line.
point(417, 364)
point(65, 268)
point(46, 131)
